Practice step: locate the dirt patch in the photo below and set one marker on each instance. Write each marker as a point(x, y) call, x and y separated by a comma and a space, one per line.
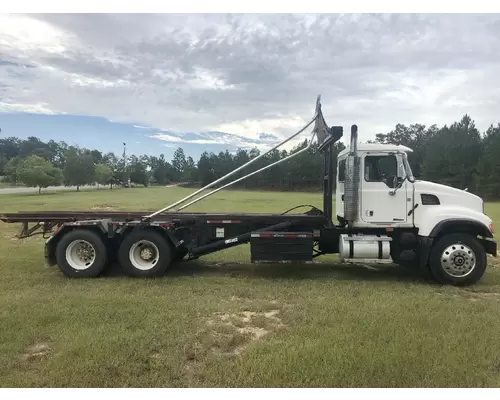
point(238, 299)
point(241, 329)
point(242, 300)
point(104, 207)
point(471, 295)
point(37, 352)
point(481, 295)
point(156, 356)
point(228, 334)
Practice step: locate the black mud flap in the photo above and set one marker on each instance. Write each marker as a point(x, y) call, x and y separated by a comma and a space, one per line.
point(49, 255)
point(490, 246)
point(424, 246)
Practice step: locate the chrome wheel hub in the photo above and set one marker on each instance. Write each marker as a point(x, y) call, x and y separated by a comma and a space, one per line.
point(458, 260)
point(144, 255)
point(85, 253)
point(80, 254)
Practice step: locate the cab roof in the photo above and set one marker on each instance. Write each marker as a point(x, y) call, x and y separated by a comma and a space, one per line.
point(377, 147)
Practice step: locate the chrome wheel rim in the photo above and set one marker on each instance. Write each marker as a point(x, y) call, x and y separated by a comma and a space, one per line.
point(458, 260)
point(144, 255)
point(80, 255)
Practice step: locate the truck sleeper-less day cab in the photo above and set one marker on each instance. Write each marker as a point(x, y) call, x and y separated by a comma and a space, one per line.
point(384, 215)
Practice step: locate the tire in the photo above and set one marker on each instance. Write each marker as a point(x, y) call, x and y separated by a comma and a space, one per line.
point(81, 253)
point(158, 253)
point(457, 259)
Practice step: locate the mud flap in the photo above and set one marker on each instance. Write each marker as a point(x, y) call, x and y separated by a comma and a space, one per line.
point(490, 246)
point(424, 249)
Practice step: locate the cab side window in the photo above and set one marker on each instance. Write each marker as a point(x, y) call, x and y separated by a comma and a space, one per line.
point(381, 169)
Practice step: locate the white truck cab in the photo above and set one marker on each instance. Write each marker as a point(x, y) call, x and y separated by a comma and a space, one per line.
point(390, 196)
point(426, 224)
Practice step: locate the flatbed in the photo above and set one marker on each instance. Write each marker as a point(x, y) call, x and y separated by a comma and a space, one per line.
point(383, 215)
point(68, 216)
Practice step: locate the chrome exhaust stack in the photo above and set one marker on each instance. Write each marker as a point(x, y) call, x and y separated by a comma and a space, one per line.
point(351, 185)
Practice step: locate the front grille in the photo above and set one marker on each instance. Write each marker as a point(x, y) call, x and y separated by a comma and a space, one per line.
point(429, 200)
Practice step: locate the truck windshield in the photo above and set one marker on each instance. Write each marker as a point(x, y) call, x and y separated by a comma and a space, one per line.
point(409, 173)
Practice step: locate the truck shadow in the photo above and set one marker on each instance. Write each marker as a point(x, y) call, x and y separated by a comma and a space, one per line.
point(318, 271)
point(283, 271)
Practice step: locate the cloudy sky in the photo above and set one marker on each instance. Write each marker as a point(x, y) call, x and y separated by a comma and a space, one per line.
point(212, 82)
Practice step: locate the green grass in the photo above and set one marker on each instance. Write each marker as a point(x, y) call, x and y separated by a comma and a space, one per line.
point(6, 185)
point(221, 322)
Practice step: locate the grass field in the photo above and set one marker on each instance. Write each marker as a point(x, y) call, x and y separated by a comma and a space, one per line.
point(221, 322)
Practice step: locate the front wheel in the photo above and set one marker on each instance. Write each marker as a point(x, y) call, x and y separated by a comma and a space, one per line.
point(145, 252)
point(457, 259)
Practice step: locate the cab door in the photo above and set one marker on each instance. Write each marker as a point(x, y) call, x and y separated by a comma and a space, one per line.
point(380, 174)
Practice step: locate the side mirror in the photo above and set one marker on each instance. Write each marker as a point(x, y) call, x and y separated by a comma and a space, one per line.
point(397, 180)
point(391, 181)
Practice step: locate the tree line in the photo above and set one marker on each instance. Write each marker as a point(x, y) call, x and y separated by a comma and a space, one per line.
point(457, 155)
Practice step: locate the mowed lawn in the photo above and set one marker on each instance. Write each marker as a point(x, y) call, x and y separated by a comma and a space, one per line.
point(219, 321)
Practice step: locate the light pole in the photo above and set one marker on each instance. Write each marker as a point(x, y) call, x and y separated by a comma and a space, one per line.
point(124, 160)
point(1, 156)
point(127, 175)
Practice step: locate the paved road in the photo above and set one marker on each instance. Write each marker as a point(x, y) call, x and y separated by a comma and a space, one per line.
point(19, 190)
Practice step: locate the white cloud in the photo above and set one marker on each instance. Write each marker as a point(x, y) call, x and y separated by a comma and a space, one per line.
point(230, 141)
point(252, 128)
point(175, 139)
point(248, 74)
point(35, 108)
point(203, 79)
point(25, 35)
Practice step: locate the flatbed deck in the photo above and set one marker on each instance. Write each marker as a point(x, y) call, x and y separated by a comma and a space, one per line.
point(69, 216)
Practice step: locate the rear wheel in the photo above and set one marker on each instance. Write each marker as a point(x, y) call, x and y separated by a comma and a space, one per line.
point(457, 259)
point(145, 252)
point(82, 253)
